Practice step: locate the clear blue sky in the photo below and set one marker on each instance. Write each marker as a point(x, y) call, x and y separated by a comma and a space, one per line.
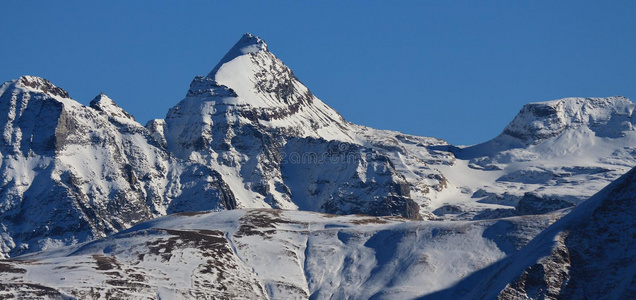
point(457, 70)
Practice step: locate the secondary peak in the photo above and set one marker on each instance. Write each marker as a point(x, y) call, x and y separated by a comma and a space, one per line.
point(42, 85)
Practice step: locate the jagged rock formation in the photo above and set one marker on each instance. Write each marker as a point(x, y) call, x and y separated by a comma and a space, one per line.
point(72, 173)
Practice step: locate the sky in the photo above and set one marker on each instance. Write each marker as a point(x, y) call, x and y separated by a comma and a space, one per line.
point(456, 70)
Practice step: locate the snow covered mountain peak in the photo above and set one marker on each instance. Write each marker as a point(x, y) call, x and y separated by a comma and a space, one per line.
point(258, 77)
point(251, 85)
point(251, 113)
point(41, 85)
point(105, 104)
point(565, 149)
point(606, 117)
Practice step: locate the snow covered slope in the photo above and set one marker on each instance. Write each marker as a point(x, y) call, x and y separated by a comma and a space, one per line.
point(72, 173)
point(560, 151)
point(271, 254)
point(588, 254)
point(275, 254)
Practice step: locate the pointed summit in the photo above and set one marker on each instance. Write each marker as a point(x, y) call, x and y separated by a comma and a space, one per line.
point(105, 104)
point(248, 43)
point(250, 85)
point(252, 76)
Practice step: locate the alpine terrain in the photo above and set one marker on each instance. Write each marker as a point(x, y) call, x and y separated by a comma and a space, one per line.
point(253, 188)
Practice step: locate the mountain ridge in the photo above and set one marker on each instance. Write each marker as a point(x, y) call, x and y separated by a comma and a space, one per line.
point(235, 139)
point(253, 187)
point(73, 172)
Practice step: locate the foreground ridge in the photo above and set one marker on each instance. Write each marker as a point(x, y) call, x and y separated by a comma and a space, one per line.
point(265, 253)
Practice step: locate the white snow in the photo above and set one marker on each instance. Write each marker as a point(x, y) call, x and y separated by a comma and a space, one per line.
point(293, 254)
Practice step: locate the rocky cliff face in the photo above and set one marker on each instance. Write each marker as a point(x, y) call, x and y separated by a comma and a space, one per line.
point(606, 117)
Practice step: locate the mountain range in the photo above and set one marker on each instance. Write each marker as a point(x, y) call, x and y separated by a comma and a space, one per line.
point(252, 187)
